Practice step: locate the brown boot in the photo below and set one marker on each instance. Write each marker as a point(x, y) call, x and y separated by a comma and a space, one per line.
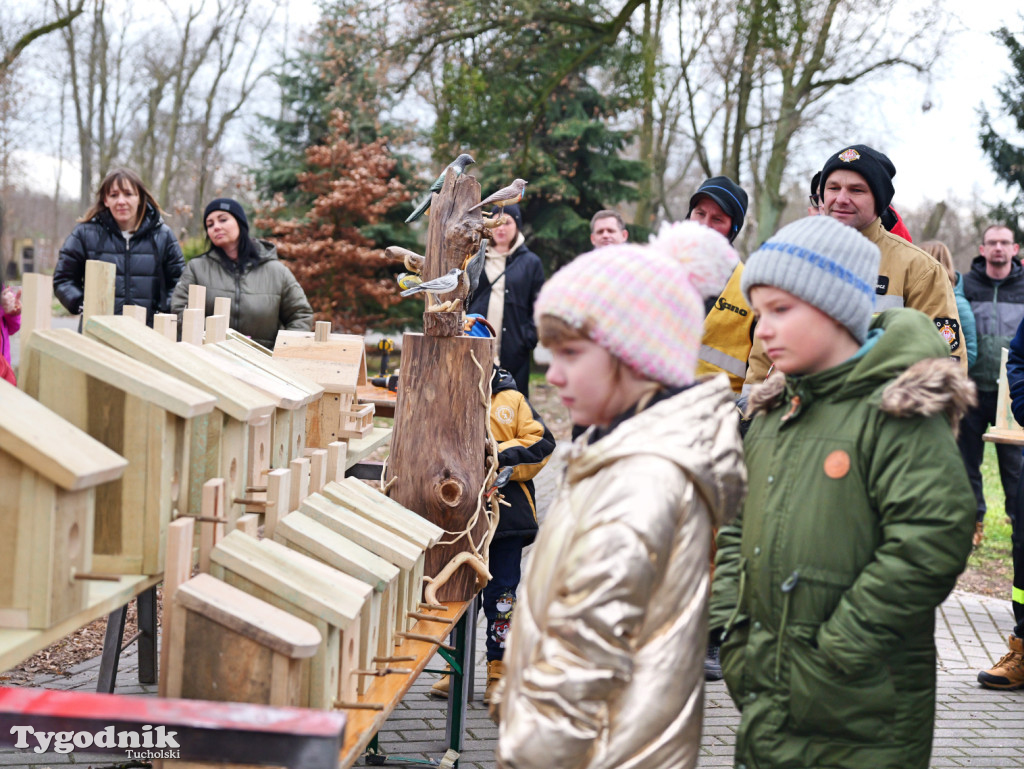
point(495, 672)
point(979, 533)
point(1008, 673)
point(442, 685)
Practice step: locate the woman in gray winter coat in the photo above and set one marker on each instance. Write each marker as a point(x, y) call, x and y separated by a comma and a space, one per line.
point(265, 297)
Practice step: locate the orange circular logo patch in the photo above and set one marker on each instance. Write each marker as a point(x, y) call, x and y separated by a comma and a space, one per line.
point(837, 464)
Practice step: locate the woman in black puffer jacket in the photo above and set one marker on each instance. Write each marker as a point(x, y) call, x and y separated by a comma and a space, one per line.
point(124, 227)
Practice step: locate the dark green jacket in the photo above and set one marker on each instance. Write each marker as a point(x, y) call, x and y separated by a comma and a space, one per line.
point(857, 523)
point(265, 297)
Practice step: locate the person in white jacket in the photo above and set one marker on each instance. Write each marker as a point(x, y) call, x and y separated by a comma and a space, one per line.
point(604, 664)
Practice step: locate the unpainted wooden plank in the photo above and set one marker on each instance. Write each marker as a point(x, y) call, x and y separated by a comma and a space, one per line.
point(336, 550)
point(98, 296)
point(69, 554)
point(193, 323)
point(365, 533)
point(317, 470)
point(248, 524)
point(124, 372)
point(166, 323)
point(413, 519)
point(300, 481)
point(36, 304)
point(336, 454)
point(279, 483)
point(321, 673)
point(222, 306)
point(178, 568)
point(135, 312)
point(401, 524)
point(282, 454)
point(211, 533)
point(260, 356)
point(197, 297)
point(216, 329)
point(316, 588)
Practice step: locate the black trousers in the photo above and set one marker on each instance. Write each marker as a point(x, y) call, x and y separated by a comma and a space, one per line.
point(972, 447)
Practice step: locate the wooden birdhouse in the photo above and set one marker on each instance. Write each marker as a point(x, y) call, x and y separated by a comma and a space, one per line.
point(232, 647)
point(135, 410)
point(337, 362)
point(50, 471)
point(222, 441)
point(407, 556)
point(305, 535)
point(294, 395)
point(330, 601)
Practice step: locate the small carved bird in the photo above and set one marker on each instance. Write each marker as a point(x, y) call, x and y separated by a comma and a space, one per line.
point(406, 281)
point(506, 196)
point(474, 268)
point(458, 165)
point(442, 285)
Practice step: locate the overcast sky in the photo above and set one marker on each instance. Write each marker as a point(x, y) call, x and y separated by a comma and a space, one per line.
point(937, 153)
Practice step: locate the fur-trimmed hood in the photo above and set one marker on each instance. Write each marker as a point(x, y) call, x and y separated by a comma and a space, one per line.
point(903, 367)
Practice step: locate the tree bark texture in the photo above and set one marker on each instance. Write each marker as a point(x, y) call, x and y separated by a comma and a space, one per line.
point(438, 446)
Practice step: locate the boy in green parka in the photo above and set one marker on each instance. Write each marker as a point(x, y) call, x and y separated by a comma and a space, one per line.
point(858, 519)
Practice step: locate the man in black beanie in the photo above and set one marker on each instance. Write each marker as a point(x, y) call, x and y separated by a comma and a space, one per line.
point(721, 204)
point(857, 187)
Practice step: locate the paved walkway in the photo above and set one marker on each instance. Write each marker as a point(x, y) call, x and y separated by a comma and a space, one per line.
point(974, 727)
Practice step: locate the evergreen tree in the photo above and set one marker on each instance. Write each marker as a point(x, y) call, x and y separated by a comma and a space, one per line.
point(1007, 157)
point(504, 98)
point(332, 233)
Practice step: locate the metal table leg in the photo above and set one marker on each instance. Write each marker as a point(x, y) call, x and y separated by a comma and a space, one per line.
point(111, 651)
point(462, 671)
point(146, 605)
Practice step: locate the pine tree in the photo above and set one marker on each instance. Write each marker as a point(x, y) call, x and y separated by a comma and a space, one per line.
point(501, 98)
point(1007, 157)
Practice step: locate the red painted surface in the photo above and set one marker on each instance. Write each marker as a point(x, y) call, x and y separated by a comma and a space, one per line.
point(198, 714)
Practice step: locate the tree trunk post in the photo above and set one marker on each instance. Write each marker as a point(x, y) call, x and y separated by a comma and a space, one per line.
point(437, 466)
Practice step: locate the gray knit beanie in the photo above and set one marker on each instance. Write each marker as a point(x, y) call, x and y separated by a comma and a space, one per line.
point(823, 262)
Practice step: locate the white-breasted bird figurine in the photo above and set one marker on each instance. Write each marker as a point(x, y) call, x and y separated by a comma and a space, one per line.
point(442, 285)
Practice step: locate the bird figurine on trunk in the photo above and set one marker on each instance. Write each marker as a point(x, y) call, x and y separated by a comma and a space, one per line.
point(458, 166)
point(447, 282)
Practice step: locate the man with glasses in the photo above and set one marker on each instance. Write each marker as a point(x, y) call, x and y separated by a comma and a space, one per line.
point(995, 288)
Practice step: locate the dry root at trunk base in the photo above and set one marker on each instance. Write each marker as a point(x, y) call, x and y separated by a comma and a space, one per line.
point(473, 561)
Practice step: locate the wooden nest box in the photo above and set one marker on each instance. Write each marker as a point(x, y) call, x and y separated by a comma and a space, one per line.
point(49, 471)
point(336, 362)
point(135, 410)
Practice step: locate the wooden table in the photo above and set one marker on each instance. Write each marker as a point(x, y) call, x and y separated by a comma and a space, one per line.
point(383, 400)
point(104, 597)
point(360, 448)
point(363, 725)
